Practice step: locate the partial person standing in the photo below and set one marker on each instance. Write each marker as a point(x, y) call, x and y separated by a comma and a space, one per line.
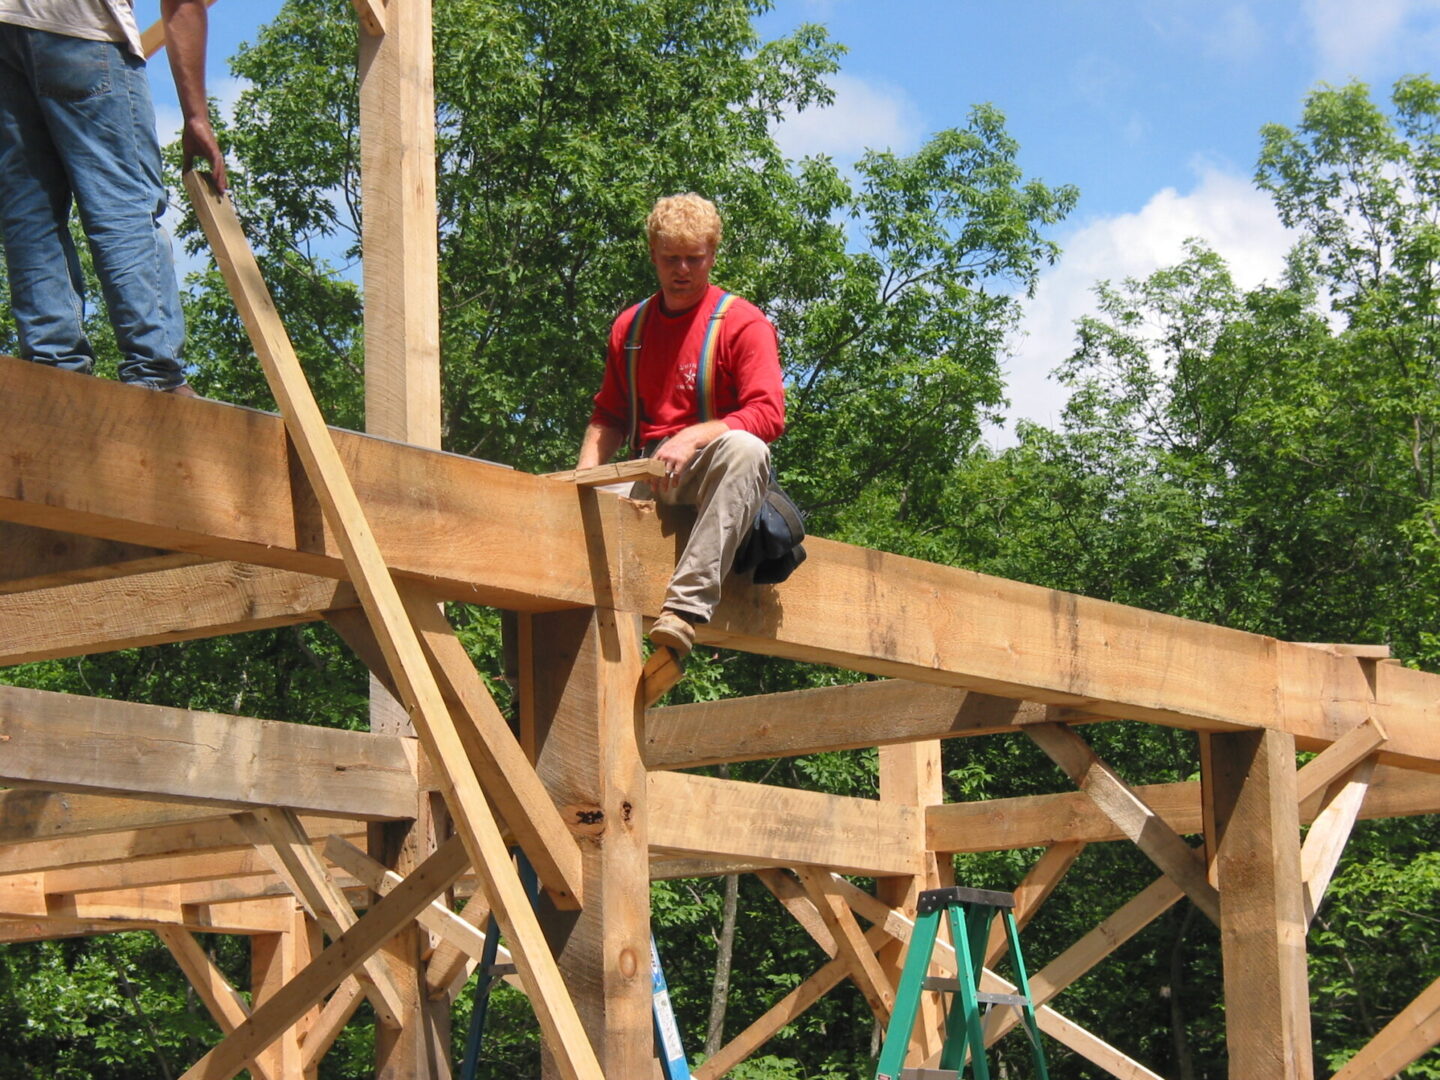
point(77, 127)
point(692, 379)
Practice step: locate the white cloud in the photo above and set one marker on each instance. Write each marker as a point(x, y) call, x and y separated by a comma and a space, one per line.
point(1224, 210)
point(1232, 33)
point(865, 115)
point(1235, 36)
point(1353, 39)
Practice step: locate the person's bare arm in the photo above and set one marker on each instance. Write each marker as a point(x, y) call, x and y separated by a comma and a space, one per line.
point(598, 446)
point(186, 24)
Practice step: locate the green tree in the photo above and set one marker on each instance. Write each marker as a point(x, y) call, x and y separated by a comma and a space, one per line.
point(560, 121)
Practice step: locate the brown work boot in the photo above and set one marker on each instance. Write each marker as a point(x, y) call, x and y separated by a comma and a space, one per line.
point(673, 632)
point(183, 390)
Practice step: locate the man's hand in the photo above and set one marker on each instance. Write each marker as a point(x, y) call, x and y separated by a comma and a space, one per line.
point(680, 449)
point(197, 140)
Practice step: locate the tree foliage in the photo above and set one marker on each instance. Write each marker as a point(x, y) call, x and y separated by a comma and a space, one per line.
point(1259, 458)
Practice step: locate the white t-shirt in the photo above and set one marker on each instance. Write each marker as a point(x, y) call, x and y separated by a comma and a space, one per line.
point(93, 20)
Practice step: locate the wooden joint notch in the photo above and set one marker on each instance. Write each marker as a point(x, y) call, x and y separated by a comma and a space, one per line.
point(372, 16)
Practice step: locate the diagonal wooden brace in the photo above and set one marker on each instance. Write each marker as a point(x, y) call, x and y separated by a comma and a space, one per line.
point(1129, 812)
point(554, 1009)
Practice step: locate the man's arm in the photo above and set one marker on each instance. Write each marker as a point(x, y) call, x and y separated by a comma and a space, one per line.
point(599, 445)
point(186, 23)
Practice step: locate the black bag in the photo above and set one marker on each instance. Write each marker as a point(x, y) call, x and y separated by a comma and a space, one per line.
point(773, 549)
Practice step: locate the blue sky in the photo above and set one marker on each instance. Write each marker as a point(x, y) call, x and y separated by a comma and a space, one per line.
point(1151, 107)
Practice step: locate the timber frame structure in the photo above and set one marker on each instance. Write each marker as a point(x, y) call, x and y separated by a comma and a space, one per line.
point(134, 518)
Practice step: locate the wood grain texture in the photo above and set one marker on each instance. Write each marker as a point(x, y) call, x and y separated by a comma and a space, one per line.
point(383, 604)
point(340, 959)
point(94, 744)
point(1041, 820)
point(43, 559)
point(159, 607)
point(1128, 810)
point(1262, 925)
point(1325, 842)
point(864, 968)
point(884, 713)
point(309, 879)
point(587, 711)
point(211, 479)
point(781, 826)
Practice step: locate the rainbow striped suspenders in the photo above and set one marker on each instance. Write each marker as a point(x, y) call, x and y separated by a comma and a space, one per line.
point(704, 368)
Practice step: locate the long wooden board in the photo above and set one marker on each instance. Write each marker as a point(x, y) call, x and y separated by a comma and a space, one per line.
point(94, 744)
point(781, 826)
point(215, 480)
point(342, 510)
point(1041, 820)
point(159, 607)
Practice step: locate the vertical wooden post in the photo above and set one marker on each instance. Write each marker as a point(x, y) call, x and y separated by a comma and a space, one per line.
point(588, 728)
point(400, 233)
point(402, 401)
point(420, 1047)
point(1262, 913)
point(275, 959)
point(910, 773)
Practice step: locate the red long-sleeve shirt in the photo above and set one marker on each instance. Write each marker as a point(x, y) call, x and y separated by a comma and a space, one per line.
point(749, 393)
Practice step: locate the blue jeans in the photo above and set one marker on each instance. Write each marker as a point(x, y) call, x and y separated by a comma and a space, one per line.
point(77, 126)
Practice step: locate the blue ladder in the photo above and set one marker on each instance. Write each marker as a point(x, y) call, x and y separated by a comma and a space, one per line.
point(667, 1032)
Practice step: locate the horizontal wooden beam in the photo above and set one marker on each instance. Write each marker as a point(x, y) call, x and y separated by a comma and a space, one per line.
point(30, 815)
point(698, 815)
point(1041, 820)
point(824, 719)
point(196, 837)
point(93, 744)
point(168, 906)
point(42, 559)
point(159, 607)
point(219, 481)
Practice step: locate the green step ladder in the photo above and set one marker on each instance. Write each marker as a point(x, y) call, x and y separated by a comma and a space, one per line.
point(971, 912)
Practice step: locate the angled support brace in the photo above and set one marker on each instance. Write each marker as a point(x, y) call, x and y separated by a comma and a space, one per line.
point(460, 933)
point(343, 956)
point(793, 899)
point(783, 1012)
point(1129, 812)
point(278, 835)
point(1031, 893)
point(1325, 842)
point(506, 774)
point(865, 970)
point(397, 636)
point(223, 1001)
point(1414, 1031)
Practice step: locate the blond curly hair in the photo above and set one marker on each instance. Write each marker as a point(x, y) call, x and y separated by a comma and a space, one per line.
point(687, 218)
